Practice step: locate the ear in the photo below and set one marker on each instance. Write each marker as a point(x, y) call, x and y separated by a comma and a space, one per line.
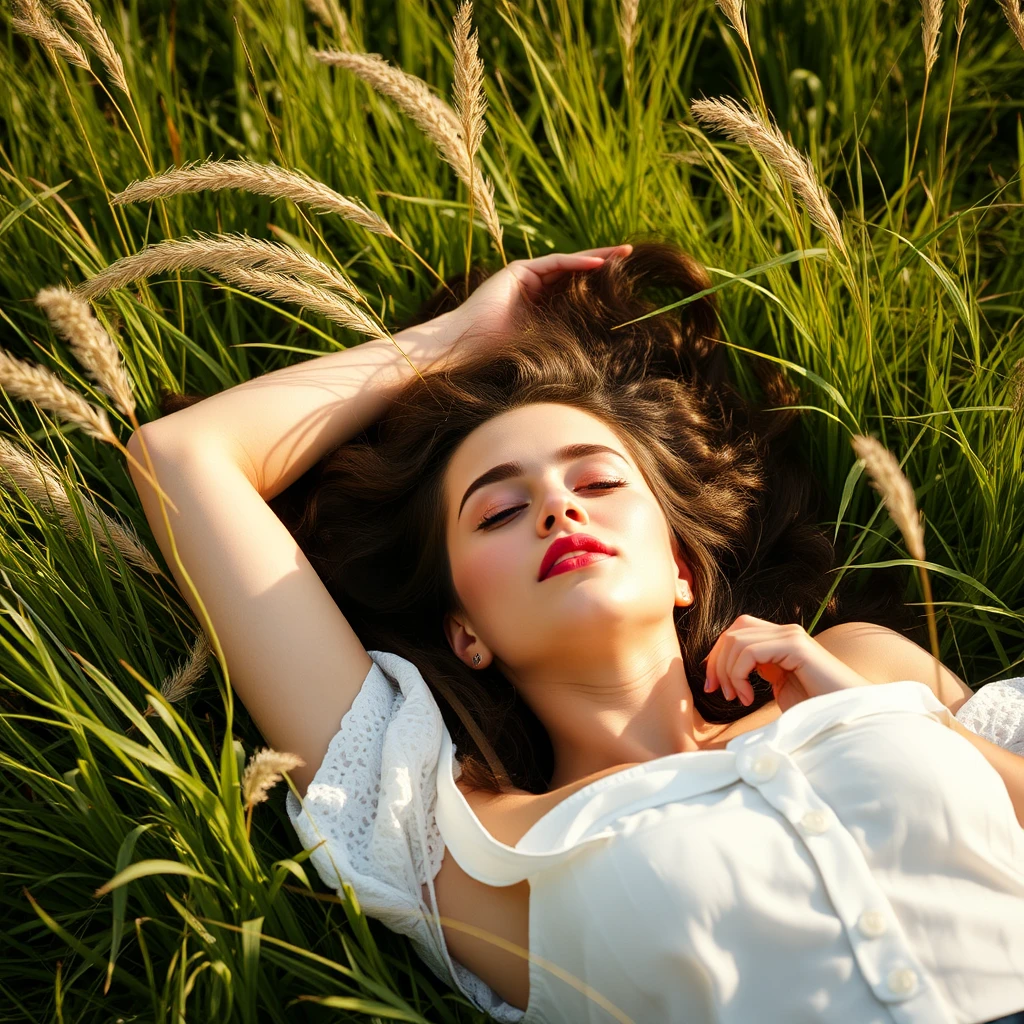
point(464, 643)
point(684, 581)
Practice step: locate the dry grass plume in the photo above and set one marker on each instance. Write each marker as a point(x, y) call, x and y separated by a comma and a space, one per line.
point(627, 24)
point(264, 770)
point(217, 254)
point(84, 19)
point(93, 348)
point(289, 289)
point(1014, 18)
point(37, 384)
point(433, 116)
point(40, 483)
point(264, 179)
point(182, 681)
point(735, 11)
point(931, 21)
point(741, 124)
point(32, 20)
point(884, 472)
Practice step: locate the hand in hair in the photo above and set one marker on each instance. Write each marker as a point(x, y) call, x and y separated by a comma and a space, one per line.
point(492, 305)
point(786, 656)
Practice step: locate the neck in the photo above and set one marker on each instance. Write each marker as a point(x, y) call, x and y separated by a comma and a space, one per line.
point(628, 711)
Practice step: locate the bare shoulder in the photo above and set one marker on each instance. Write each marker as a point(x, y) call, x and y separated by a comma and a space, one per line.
point(487, 928)
point(881, 655)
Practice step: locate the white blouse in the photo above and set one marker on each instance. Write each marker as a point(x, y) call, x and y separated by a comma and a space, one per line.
point(854, 859)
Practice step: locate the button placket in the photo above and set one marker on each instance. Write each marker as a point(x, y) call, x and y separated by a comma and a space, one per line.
point(880, 947)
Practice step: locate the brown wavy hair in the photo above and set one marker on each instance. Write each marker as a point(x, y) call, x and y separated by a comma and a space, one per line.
point(370, 515)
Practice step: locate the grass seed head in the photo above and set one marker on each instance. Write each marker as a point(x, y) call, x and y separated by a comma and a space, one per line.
point(41, 485)
point(735, 11)
point(931, 21)
point(93, 348)
point(468, 85)
point(627, 23)
point(33, 21)
point(888, 479)
point(741, 124)
point(84, 19)
point(182, 681)
point(36, 384)
point(265, 770)
point(432, 115)
point(264, 179)
point(1014, 18)
point(218, 254)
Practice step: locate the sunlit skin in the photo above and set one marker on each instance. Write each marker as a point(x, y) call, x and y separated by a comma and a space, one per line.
point(593, 651)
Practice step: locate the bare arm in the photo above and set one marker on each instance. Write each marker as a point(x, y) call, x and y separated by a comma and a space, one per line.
point(293, 659)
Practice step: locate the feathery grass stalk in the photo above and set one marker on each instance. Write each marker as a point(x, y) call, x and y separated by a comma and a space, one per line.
point(71, 317)
point(931, 19)
point(33, 21)
point(1014, 18)
point(627, 23)
point(182, 681)
point(897, 493)
point(85, 21)
point(330, 14)
point(42, 486)
point(931, 22)
point(433, 116)
point(469, 99)
point(312, 296)
point(735, 11)
point(264, 770)
point(264, 179)
point(38, 385)
point(216, 253)
point(743, 125)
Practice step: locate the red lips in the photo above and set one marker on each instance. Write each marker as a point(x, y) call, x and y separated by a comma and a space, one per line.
point(573, 542)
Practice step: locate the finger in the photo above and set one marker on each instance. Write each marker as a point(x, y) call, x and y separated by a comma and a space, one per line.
point(710, 676)
point(718, 652)
point(608, 250)
point(738, 639)
point(775, 655)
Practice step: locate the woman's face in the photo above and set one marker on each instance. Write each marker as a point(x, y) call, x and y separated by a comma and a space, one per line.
point(603, 613)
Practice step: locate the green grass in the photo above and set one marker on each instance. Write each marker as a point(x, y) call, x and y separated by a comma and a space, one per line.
point(916, 340)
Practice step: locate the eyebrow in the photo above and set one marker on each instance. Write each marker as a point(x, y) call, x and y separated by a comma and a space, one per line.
point(506, 470)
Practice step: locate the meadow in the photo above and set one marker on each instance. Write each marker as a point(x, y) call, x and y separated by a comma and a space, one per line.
point(851, 173)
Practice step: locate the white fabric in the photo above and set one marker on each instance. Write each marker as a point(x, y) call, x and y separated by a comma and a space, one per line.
point(375, 803)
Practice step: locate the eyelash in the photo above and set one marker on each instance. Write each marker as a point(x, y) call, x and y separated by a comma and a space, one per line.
point(499, 516)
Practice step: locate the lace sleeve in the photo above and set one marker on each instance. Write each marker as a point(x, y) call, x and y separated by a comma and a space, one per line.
point(371, 807)
point(996, 712)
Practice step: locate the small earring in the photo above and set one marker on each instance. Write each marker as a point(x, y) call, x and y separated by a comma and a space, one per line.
point(476, 659)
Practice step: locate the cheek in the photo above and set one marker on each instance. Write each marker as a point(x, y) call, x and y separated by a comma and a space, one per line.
point(487, 569)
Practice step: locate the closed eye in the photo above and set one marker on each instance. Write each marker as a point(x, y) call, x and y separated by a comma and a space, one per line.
point(505, 513)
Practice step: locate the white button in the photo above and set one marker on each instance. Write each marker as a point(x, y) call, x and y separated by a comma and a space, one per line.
point(759, 765)
point(814, 821)
point(872, 923)
point(902, 981)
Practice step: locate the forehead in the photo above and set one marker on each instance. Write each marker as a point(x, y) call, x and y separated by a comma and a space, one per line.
point(528, 434)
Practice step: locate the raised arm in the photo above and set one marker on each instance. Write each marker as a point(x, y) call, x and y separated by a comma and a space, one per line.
point(293, 659)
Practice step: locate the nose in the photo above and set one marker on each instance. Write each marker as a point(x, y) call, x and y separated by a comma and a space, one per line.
point(560, 506)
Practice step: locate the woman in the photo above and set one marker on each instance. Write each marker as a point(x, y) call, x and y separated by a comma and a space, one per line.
point(827, 850)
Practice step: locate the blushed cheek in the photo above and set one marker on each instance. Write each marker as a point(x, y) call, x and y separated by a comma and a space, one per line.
point(488, 574)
